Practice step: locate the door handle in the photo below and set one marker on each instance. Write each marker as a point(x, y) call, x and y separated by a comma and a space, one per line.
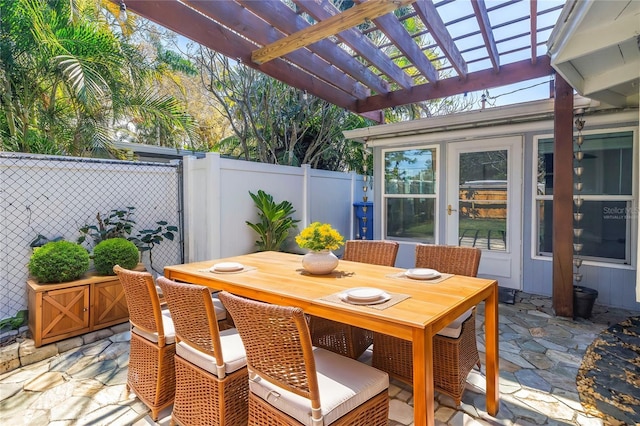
point(449, 210)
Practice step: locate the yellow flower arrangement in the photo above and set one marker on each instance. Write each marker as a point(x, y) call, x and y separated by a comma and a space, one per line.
point(319, 236)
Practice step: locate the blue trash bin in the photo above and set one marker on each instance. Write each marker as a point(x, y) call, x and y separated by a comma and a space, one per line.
point(364, 220)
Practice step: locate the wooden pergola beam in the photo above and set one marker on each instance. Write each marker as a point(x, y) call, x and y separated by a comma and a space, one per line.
point(397, 33)
point(286, 20)
point(201, 29)
point(562, 237)
point(348, 19)
point(361, 45)
point(533, 7)
point(479, 80)
point(234, 16)
point(482, 16)
point(438, 30)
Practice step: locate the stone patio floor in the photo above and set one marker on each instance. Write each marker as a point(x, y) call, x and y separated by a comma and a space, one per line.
point(540, 355)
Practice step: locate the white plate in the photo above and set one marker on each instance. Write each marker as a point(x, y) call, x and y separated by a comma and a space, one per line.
point(383, 298)
point(227, 267)
point(364, 294)
point(422, 274)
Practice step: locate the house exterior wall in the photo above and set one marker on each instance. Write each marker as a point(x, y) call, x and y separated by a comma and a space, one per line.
point(616, 283)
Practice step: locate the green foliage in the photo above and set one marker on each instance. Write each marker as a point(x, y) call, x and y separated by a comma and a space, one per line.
point(118, 224)
point(115, 251)
point(13, 323)
point(41, 240)
point(147, 239)
point(275, 123)
point(59, 261)
point(68, 72)
point(275, 221)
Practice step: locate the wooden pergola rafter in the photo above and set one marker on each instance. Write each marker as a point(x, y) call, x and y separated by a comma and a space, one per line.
point(330, 53)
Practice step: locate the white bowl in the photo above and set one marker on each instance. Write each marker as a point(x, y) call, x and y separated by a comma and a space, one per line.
point(227, 267)
point(422, 274)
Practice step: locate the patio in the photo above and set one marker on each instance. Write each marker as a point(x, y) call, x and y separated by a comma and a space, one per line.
point(540, 357)
point(541, 353)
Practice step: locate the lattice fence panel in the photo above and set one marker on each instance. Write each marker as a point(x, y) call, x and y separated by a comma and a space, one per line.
point(56, 196)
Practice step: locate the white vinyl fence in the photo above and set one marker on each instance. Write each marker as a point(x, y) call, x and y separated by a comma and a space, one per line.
point(55, 196)
point(218, 204)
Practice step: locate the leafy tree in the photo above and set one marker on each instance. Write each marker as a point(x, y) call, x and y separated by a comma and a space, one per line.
point(68, 73)
point(275, 123)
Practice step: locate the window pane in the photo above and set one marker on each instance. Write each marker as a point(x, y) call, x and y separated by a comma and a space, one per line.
point(604, 225)
point(545, 167)
point(410, 172)
point(545, 227)
point(482, 200)
point(411, 218)
point(607, 164)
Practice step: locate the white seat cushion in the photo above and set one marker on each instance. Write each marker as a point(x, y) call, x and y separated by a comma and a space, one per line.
point(454, 329)
point(344, 385)
point(221, 311)
point(233, 354)
point(169, 330)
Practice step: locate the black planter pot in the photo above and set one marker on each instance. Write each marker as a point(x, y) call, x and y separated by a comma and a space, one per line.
point(583, 300)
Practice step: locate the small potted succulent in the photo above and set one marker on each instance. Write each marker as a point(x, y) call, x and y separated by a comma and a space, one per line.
point(115, 251)
point(59, 261)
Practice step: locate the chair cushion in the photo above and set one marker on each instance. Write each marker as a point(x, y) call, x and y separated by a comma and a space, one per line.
point(233, 353)
point(169, 330)
point(344, 385)
point(454, 329)
point(221, 312)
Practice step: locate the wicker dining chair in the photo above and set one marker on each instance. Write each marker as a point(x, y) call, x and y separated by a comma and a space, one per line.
point(346, 339)
point(454, 348)
point(151, 374)
point(211, 365)
point(293, 383)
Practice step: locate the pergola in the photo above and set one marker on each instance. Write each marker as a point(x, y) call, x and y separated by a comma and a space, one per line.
point(375, 54)
point(368, 55)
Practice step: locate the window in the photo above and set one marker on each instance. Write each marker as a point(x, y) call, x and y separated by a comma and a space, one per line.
point(607, 196)
point(410, 194)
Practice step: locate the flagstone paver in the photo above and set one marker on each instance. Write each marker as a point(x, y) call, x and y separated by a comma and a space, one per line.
point(81, 381)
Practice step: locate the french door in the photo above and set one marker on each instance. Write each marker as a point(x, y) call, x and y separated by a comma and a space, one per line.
point(484, 204)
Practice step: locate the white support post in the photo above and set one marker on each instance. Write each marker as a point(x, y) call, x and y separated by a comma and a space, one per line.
point(306, 199)
point(202, 207)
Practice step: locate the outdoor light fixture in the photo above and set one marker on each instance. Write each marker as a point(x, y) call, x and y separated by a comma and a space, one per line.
point(122, 16)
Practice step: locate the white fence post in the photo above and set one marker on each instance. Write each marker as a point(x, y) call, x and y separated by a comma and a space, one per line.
point(202, 207)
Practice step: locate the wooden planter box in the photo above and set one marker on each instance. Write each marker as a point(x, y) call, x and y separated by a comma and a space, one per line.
point(60, 311)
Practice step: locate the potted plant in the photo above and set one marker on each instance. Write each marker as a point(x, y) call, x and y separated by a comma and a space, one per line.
point(59, 261)
point(119, 223)
point(275, 221)
point(320, 239)
point(115, 251)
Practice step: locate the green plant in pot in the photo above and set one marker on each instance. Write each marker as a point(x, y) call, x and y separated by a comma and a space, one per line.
point(275, 221)
point(59, 261)
point(115, 251)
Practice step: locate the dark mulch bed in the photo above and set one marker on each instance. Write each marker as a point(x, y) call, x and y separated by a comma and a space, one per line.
point(609, 377)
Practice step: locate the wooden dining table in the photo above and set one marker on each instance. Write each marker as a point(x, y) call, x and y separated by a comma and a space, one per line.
point(425, 307)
